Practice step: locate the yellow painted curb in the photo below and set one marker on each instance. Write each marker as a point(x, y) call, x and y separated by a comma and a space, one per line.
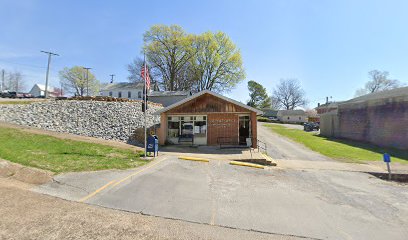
point(274, 164)
point(194, 159)
point(245, 164)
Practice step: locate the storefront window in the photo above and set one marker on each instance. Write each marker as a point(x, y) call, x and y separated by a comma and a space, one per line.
point(173, 129)
point(187, 126)
point(200, 128)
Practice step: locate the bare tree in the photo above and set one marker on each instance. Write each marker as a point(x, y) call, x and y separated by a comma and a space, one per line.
point(379, 82)
point(14, 82)
point(275, 105)
point(134, 68)
point(288, 94)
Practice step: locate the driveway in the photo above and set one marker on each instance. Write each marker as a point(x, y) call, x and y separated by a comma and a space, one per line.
point(317, 204)
point(284, 148)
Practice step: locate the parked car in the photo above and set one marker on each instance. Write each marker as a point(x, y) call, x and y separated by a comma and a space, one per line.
point(311, 126)
point(15, 95)
point(28, 95)
point(273, 118)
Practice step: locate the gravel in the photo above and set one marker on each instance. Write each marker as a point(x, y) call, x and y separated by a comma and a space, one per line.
point(107, 120)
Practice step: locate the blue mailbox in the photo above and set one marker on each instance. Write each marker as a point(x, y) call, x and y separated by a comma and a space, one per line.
point(153, 145)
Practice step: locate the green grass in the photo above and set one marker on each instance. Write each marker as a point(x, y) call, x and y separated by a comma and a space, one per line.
point(16, 102)
point(346, 150)
point(58, 155)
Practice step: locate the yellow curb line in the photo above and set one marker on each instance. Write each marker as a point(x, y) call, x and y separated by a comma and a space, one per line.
point(245, 164)
point(98, 190)
point(118, 182)
point(194, 159)
point(274, 164)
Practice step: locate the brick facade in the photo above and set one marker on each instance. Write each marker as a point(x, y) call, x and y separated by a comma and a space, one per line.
point(381, 122)
point(222, 118)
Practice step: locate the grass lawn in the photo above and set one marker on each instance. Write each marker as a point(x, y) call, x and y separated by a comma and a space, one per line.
point(16, 102)
point(347, 150)
point(58, 155)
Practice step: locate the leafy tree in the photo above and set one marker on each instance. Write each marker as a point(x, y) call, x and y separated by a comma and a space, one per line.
point(169, 51)
point(183, 61)
point(73, 80)
point(379, 82)
point(258, 96)
point(288, 94)
point(217, 63)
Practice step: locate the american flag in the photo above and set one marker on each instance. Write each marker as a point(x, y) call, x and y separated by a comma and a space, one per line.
point(147, 80)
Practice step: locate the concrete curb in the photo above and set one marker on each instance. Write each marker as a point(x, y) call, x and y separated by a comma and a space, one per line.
point(194, 159)
point(245, 164)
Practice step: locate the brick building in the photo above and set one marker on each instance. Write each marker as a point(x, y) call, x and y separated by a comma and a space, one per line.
point(379, 118)
point(207, 118)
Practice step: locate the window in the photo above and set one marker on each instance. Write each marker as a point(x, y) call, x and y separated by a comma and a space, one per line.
point(300, 118)
point(129, 94)
point(173, 129)
point(186, 126)
point(110, 94)
point(139, 94)
point(119, 94)
point(288, 118)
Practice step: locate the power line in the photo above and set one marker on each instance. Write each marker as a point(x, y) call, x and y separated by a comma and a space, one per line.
point(22, 64)
point(48, 70)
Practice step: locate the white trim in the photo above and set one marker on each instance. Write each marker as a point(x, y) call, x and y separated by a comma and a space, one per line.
point(202, 93)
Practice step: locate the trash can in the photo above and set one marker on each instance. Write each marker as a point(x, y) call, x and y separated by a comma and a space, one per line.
point(153, 145)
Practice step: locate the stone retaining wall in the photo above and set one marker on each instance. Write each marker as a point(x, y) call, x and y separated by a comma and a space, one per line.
point(108, 120)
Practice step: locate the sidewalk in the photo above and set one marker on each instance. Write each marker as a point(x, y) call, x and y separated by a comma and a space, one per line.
point(341, 166)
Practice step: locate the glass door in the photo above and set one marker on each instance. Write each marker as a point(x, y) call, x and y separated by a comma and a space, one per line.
point(244, 129)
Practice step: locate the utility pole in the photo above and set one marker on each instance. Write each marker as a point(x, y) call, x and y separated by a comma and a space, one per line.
point(48, 71)
point(2, 80)
point(112, 75)
point(87, 80)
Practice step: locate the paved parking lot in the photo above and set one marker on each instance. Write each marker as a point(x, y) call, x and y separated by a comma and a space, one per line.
point(307, 203)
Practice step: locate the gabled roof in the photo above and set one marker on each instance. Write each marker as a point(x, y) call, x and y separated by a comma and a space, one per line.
point(122, 85)
point(269, 112)
point(169, 93)
point(174, 105)
point(291, 112)
point(42, 87)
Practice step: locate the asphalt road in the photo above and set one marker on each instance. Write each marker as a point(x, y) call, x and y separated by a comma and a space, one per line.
point(282, 148)
point(302, 203)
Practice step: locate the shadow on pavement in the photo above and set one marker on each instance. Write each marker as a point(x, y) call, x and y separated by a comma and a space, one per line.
point(202, 149)
point(395, 177)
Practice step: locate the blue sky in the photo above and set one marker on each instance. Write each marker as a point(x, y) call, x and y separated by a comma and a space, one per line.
point(330, 46)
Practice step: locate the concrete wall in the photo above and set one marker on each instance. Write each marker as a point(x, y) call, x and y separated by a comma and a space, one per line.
point(381, 122)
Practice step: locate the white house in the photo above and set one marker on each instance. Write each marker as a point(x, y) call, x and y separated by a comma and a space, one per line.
point(38, 90)
point(292, 116)
point(123, 90)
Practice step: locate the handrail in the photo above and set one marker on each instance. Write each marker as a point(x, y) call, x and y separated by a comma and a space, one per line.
point(259, 145)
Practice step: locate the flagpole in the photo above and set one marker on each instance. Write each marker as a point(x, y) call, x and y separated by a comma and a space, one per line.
point(145, 103)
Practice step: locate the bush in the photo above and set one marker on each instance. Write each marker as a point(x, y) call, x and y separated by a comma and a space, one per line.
point(264, 119)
